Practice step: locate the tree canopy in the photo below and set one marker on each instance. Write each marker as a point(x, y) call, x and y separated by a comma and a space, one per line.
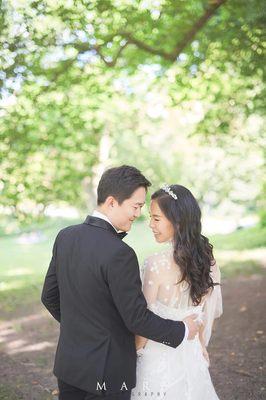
point(64, 64)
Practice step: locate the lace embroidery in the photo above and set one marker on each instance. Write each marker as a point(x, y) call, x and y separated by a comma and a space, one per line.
point(180, 373)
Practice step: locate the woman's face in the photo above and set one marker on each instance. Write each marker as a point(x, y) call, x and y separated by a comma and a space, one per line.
point(162, 228)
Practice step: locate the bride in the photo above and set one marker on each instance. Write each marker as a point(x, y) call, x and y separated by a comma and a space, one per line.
point(182, 279)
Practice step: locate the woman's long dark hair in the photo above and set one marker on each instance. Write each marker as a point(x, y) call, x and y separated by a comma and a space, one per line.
point(192, 251)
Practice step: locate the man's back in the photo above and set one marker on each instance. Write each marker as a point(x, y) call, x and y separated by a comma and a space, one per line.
point(90, 324)
point(93, 289)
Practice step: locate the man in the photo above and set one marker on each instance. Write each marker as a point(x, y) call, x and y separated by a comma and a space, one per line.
point(93, 289)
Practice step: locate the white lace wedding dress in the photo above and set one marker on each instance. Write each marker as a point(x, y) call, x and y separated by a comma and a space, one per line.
point(180, 373)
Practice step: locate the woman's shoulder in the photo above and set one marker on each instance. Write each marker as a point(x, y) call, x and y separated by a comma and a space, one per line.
point(158, 260)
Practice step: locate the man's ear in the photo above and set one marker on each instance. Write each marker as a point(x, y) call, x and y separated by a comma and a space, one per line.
point(110, 201)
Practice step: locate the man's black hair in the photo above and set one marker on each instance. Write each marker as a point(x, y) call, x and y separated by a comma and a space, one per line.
point(120, 182)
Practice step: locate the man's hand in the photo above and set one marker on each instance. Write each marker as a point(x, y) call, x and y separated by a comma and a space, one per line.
point(193, 325)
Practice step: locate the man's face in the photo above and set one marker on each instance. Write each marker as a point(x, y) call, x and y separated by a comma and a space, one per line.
point(123, 215)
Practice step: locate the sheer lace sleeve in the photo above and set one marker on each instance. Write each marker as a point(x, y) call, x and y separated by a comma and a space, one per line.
point(150, 287)
point(150, 280)
point(213, 307)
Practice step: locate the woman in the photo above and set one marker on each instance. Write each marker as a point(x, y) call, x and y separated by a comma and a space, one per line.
point(180, 280)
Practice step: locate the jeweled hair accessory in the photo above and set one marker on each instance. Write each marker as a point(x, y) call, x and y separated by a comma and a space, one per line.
point(168, 190)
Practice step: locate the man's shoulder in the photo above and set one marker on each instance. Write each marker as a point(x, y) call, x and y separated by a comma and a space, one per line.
point(122, 248)
point(113, 245)
point(121, 256)
point(69, 229)
point(69, 232)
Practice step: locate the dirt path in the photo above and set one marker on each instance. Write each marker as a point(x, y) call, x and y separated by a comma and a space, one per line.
point(237, 349)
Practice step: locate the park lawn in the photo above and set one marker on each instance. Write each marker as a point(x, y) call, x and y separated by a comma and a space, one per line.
point(242, 252)
point(23, 266)
point(7, 392)
point(241, 239)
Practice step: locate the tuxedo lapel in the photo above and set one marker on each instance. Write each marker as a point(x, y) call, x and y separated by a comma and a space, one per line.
point(100, 223)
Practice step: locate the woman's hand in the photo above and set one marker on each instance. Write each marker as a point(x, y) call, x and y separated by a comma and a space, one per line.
point(140, 342)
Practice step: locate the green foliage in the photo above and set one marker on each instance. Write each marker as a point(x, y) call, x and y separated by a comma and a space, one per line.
point(126, 34)
point(50, 143)
point(68, 67)
point(262, 204)
point(262, 215)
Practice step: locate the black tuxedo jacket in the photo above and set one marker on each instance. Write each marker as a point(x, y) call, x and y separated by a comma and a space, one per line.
point(93, 289)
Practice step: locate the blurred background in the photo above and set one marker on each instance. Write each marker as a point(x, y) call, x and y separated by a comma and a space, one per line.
point(175, 88)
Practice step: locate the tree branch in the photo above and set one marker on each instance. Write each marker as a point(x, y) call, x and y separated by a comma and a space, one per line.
point(197, 27)
point(144, 46)
point(113, 62)
point(82, 47)
point(189, 36)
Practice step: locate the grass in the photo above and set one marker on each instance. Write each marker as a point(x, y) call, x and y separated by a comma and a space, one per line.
point(7, 393)
point(246, 267)
point(17, 391)
point(242, 252)
point(23, 266)
point(241, 239)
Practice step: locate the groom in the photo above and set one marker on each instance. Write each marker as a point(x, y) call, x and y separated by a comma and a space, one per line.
point(93, 289)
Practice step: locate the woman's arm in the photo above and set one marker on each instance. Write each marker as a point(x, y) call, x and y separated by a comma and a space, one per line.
point(150, 290)
point(204, 349)
point(213, 306)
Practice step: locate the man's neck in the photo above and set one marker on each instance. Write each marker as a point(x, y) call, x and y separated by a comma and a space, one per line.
point(104, 214)
point(102, 211)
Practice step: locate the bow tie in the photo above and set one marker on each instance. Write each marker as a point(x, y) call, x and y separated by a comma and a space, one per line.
point(121, 234)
